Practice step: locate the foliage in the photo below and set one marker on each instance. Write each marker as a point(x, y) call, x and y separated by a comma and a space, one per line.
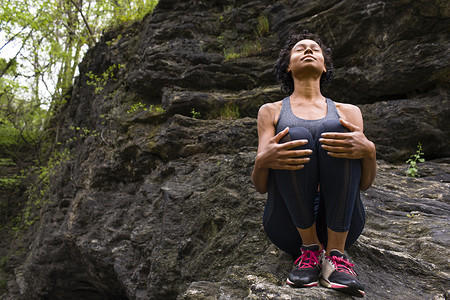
point(413, 214)
point(10, 182)
point(230, 111)
point(42, 43)
point(9, 135)
point(413, 160)
point(100, 81)
point(53, 35)
point(47, 40)
point(252, 46)
point(141, 107)
point(3, 282)
point(80, 133)
point(38, 191)
point(230, 53)
point(195, 114)
point(6, 162)
point(20, 121)
point(263, 26)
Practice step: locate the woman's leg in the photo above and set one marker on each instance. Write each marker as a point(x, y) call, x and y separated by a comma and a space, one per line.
point(289, 215)
point(277, 221)
point(298, 188)
point(339, 189)
point(296, 192)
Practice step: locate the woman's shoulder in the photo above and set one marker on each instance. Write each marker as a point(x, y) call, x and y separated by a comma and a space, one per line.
point(270, 111)
point(350, 113)
point(347, 110)
point(271, 107)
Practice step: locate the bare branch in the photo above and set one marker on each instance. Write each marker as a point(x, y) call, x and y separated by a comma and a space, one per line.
point(91, 34)
point(10, 62)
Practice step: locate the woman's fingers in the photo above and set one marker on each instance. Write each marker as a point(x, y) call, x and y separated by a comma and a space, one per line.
point(327, 136)
point(279, 136)
point(298, 161)
point(293, 144)
point(289, 167)
point(289, 163)
point(293, 167)
point(336, 148)
point(285, 156)
point(288, 145)
point(296, 153)
point(349, 125)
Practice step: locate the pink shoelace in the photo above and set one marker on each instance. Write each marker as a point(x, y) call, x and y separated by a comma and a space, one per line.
point(308, 259)
point(343, 265)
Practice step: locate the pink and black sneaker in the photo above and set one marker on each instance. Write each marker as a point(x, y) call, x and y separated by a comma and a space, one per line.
point(337, 273)
point(307, 268)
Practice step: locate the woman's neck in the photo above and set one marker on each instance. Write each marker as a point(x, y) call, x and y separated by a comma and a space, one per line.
point(306, 90)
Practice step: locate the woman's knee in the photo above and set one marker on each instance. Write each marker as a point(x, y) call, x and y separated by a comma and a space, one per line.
point(298, 133)
point(333, 126)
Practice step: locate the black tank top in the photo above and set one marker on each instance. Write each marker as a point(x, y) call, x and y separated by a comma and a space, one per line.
point(288, 119)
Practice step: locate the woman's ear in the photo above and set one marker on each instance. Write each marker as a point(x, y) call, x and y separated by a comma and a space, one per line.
point(288, 70)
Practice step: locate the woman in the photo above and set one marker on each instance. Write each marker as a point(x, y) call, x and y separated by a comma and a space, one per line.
point(313, 159)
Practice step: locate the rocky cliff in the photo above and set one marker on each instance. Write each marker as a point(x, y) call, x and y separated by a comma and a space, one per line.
point(156, 201)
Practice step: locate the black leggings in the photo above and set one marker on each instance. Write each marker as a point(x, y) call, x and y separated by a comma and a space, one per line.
point(294, 201)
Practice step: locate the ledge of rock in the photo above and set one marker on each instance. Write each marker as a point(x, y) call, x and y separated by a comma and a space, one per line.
point(160, 205)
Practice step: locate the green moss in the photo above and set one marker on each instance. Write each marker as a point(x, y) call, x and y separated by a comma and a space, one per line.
point(38, 192)
point(141, 107)
point(251, 46)
point(99, 81)
point(263, 26)
point(230, 111)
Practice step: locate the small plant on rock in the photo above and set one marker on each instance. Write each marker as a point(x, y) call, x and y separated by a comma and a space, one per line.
point(195, 114)
point(413, 160)
point(231, 54)
point(229, 111)
point(141, 107)
point(99, 81)
point(263, 26)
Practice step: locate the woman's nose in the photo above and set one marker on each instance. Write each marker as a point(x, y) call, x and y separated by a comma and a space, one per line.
point(308, 50)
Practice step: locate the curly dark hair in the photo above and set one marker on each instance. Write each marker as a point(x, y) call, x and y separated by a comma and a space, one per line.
point(285, 78)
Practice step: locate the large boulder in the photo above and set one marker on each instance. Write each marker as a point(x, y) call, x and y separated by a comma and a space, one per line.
point(156, 201)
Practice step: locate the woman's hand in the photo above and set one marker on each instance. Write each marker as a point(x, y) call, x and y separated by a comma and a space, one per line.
point(350, 145)
point(283, 156)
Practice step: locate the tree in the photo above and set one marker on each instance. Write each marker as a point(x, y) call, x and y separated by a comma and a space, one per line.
point(51, 37)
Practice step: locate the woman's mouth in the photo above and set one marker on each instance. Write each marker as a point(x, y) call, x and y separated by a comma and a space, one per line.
point(308, 57)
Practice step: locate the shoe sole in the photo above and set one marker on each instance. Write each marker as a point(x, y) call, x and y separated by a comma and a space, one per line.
point(305, 285)
point(343, 288)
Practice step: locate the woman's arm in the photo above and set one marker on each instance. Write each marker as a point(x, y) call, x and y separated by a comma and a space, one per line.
point(271, 154)
point(353, 144)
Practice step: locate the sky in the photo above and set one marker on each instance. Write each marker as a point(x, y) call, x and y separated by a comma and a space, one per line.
point(9, 51)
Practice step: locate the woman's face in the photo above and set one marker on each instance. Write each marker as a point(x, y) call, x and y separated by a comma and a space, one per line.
point(306, 56)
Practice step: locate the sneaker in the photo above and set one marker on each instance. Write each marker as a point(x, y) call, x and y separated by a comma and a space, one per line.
point(307, 268)
point(337, 273)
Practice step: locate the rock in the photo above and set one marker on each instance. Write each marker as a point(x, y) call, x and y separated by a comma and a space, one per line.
point(194, 228)
point(187, 136)
point(157, 204)
point(373, 61)
point(396, 127)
